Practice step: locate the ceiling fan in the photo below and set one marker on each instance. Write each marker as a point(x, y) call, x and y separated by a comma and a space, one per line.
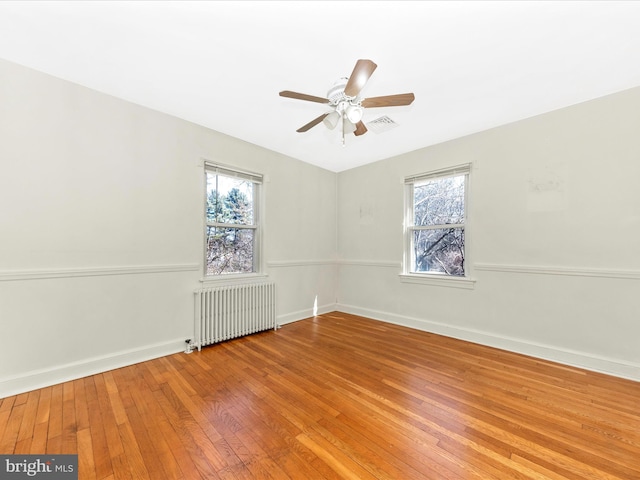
point(347, 104)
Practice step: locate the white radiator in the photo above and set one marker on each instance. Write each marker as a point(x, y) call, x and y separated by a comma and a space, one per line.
point(223, 313)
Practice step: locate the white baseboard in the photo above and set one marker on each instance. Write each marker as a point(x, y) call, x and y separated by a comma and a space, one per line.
point(35, 379)
point(609, 366)
point(63, 373)
point(306, 313)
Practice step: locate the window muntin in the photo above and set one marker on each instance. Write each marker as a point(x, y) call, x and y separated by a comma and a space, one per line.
point(435, 223)
point(232, 227)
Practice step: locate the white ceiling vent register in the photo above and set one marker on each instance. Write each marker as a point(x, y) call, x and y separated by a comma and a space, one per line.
point(381, 124)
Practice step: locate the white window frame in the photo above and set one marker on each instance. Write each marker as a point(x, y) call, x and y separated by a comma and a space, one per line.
point(433, 278)
point(258, 264)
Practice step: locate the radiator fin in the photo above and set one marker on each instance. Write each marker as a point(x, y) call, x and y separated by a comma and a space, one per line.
point(223, 313)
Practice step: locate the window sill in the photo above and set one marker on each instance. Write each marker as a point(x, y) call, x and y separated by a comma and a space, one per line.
point(234, 279)
point(438, 280)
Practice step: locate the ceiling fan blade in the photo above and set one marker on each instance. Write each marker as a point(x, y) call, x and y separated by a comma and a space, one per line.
point(361, 73)
point(360, 129)
point(303, 96)
point(312, 123)
point(389, 100)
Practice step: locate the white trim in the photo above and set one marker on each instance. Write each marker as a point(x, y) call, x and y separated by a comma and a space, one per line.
point(566, 271)
point(584, 360)
point(409, 227)
point(258, 225)
point(233, 279)
point(445, 226)
point(354, 263)
point(230, 171)
point(298, 263)
point(304, 314)
point(438, 280)
point(95, 271)
point(463, 169)
point(45, 377)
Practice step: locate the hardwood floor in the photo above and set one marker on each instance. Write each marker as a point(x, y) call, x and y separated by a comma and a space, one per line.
point(336, 397)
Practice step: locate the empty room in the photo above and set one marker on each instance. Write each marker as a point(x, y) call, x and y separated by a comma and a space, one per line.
point(319, 240)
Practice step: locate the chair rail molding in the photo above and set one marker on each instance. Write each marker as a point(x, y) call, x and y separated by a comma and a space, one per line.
point(565, 271)
point(299, 263)
point(17, 275)
point(370, 263)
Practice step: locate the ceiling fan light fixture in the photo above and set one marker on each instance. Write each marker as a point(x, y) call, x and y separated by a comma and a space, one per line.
point(354, 113)
point(348, 126)
point(331, 120)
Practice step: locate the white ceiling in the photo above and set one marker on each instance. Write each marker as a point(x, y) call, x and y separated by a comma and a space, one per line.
point(471, 65)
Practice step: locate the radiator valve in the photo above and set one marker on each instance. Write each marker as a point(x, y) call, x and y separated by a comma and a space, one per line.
point(188, 346)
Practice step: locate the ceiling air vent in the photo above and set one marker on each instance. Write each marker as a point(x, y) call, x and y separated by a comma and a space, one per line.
point(381, 124)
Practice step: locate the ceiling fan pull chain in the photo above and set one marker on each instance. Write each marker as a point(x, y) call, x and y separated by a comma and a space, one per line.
point(343, 126)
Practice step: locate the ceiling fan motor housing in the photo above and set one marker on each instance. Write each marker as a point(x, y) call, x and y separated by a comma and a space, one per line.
point(336, 92)
point(349, 106)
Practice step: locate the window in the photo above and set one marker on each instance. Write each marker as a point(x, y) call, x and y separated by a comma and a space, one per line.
point(232, 222)
point(435, 222)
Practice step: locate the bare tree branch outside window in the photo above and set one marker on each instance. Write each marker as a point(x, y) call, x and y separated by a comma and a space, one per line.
point(230, 235)
point(438, 226)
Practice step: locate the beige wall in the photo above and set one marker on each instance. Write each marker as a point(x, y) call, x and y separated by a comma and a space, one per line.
point(101, 210)
point(553, 235)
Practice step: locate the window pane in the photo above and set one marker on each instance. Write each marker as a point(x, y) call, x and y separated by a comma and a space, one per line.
point(229, 200)
point(439, 251)
point(439, 201)
point(229, 250)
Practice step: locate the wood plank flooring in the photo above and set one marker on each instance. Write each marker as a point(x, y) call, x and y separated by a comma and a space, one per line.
point(336, 397)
